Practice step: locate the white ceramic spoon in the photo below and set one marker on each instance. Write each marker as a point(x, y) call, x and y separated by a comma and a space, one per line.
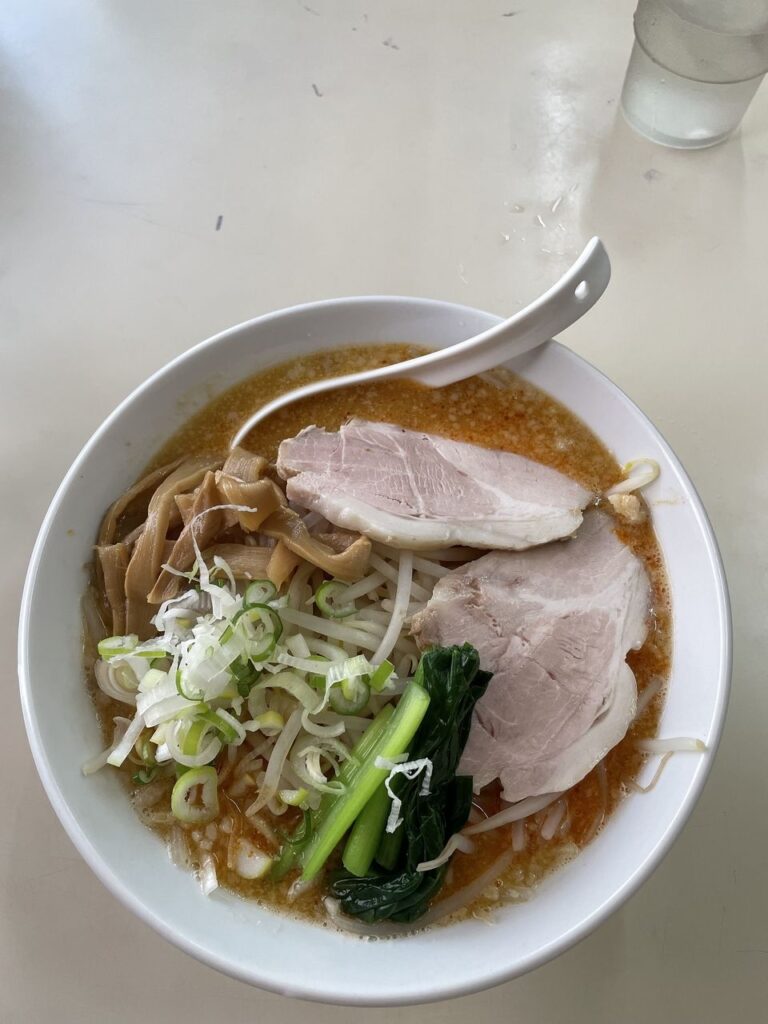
point(559, 307)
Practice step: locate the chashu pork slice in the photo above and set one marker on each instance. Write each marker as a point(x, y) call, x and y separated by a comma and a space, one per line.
point(554, 625)
point(416, 490)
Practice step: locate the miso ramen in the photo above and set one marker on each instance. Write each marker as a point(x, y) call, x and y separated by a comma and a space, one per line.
point(392, 660)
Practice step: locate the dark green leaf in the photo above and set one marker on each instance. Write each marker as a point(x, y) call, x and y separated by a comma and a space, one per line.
point(455, 682)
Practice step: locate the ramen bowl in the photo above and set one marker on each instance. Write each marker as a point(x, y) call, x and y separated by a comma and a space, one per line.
point(249, 941)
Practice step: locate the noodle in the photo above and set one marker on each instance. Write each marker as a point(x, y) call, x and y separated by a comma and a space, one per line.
point(329, 628)
point(404, 586)
point(515, 812)
point(392, 574)
point(275, 765)
point(364, 587)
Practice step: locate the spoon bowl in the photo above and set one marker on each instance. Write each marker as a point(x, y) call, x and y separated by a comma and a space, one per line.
point(560, 306)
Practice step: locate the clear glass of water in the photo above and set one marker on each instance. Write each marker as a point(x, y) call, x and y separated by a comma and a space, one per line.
point(695, 66)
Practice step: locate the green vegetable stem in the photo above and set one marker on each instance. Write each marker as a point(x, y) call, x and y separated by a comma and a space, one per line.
point(452, 678)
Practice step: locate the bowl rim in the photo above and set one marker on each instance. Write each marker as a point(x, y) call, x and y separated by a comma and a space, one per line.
point(492, 977)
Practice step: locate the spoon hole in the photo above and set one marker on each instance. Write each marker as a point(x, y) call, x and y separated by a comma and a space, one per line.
point(581, 291)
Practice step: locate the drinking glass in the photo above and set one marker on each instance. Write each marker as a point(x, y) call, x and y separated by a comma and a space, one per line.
point(695, 66)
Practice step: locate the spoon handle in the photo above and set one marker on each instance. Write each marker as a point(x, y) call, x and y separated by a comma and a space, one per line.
point(562, 305)
point(576, 292)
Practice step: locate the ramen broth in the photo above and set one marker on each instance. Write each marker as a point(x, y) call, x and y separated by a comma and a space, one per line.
point(498, 410)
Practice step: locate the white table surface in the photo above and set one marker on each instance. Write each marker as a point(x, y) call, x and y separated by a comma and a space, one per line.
point(415, 147)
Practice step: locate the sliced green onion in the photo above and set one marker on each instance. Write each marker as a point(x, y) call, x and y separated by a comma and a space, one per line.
point(316, 680)
point(289, 682)
point(183, 692)
point(242, 669)
point(301, 664)
point(230, 729)
point(293, 797)
point(144, 776)
point(350, 697)
point(193, 738)
point(230, 691)
point(351, 687)
point(152, 678)
point(143, 747)
point(261, 613)
point(263, 648)
point(149, 652)
point(196, 813)
point(329, 598)
point(349, 669)
point(114, 646)
point(164, 710)
point(292, 848)
point(124, 676)
point(245, 675)
point(243, 687)
point(260, 592)
point(381, 676)
point(194, 743)
point(263, 627)
point(270, 722)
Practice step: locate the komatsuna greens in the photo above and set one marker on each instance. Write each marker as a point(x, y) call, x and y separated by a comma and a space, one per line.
point(396, 890)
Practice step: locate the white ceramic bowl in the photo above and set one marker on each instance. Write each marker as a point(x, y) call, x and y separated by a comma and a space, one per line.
point(243, 939)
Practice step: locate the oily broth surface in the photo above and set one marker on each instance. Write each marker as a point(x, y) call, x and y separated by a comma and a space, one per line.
point(498, 410)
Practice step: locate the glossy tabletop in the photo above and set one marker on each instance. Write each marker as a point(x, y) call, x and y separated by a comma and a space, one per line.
point(168, 169)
